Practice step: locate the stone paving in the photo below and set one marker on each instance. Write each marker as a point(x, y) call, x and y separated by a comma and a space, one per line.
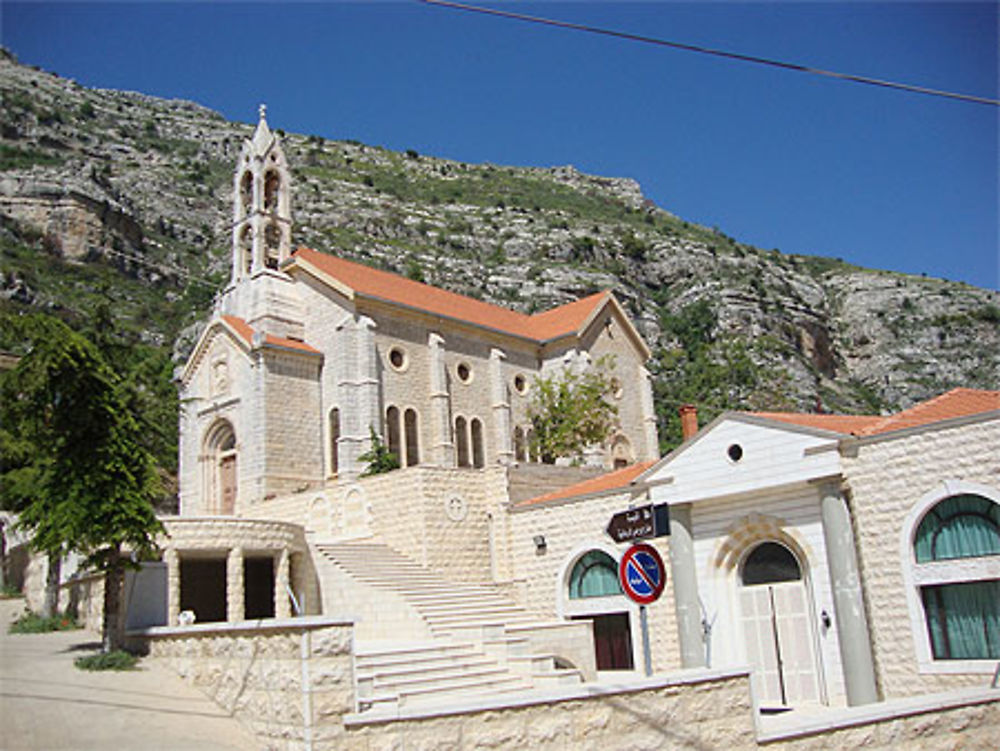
point(47, 704)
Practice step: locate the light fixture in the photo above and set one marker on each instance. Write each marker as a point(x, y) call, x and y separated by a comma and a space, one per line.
point(540, 543)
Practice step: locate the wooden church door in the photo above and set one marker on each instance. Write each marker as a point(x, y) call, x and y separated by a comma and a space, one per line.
point(227, 484)
point(777, 627)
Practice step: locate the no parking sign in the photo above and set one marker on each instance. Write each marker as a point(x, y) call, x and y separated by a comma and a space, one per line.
point(642, 574)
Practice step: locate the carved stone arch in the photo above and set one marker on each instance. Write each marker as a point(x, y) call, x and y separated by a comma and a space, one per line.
point(747, 532)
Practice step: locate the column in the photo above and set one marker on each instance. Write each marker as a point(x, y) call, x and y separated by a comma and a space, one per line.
point(235, 597)
point(442, 447)
point(685, 578)
point(282, 606)
point(848, 603)
point(652, 449)
point(173, 561)
point(367, 405)
point(501, 408)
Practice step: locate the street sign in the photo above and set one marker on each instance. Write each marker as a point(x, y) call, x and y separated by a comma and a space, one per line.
point(640, 523)
point(642, 573)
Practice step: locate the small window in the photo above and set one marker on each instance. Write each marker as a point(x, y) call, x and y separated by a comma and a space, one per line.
point(393, 432)
point(464, 372)
point(735, 452)
point(520, 384)
point(412, 438)
point(594, 575)
point(397, 359)
point(520, 449)
point(334, 440)
point(461, 442)
point(616, 388)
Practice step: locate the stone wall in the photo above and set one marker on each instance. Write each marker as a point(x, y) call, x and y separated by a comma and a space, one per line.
point(287, 680)
point(886, 479)
point(570, 530)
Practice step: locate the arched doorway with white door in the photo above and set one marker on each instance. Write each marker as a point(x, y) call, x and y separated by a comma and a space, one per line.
point(777, 625)
point(589, 590)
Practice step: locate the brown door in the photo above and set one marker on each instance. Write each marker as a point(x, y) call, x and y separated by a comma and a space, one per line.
point(227, 484)
point(612, 641)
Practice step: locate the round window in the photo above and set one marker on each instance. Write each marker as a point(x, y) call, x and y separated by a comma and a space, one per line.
point(520, 384)
point(464, 372)
point(397, 358)
point(735, 452)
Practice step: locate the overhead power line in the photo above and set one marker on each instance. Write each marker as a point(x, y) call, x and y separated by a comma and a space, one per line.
point(717, 53)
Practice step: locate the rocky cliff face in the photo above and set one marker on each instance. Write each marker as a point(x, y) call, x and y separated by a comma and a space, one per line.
point(131, 195)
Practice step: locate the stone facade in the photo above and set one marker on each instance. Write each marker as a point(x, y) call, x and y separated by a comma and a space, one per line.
point(306, 355)
point(888, 479)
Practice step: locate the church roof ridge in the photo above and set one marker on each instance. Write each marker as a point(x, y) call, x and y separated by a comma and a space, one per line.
point(386, 286)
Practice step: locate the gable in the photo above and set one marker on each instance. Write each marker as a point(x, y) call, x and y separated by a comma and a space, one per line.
point(738, 455)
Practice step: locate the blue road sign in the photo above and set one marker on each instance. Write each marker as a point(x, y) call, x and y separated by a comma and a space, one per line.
point(642, 573)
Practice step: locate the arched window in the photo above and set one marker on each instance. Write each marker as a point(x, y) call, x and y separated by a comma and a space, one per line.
point(520, 450)
point(334, 438)
point(961, 604)
point(478, 456)
point(621, 452)
point(412, 438)
point(272, 245)
point(246, 249)
point(594, 575)
point(529, 438)
point(770, 563)
point(220, 469)
point(392, 431)
point(246, 193)
point(272, 186)
point(461, 442)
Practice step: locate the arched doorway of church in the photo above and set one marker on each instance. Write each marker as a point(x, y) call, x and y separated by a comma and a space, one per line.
point(595, 595)
point(220, 456)
point(777, 626)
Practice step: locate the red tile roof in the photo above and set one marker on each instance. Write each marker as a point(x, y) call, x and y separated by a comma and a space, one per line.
point(383, 285)
point(246, 332)
point(958, 402)
point(620, 479)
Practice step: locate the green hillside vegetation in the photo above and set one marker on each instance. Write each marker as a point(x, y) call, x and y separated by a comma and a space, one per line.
point(124, 200)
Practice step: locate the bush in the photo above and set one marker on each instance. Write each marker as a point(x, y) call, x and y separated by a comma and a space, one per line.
point(116, 660)
point(32, 623)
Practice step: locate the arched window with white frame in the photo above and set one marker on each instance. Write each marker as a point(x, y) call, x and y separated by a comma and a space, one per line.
point(952, 553)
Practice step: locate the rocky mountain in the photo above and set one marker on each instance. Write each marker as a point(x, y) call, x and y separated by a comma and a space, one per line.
point(122, 197)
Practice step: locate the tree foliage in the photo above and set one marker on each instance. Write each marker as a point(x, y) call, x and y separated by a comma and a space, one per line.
point(712, 371)
point(570, 411)
point(379, 458)
point(82, 478)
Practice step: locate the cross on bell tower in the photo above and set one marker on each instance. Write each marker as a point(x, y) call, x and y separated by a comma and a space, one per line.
point(262, 223)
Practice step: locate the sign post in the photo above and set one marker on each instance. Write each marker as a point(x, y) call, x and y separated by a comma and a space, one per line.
point(643, 576)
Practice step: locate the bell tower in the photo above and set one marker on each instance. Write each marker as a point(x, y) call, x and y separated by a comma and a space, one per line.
point(258, 291)
point(262, 223)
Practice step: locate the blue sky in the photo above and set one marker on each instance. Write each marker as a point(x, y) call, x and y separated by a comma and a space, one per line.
point(778, 159)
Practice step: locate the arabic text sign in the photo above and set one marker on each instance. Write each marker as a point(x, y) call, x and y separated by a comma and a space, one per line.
point(642, 573)
point(640, 523)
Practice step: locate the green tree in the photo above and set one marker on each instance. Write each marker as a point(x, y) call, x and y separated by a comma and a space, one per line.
point(83, 480)
point(571, 411)
point(379, 458)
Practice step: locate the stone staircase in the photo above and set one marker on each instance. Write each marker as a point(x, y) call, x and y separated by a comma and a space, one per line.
point(481, 643)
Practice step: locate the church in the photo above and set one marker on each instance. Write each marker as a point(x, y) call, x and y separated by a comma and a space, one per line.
point(829, 578)
point(309, 353)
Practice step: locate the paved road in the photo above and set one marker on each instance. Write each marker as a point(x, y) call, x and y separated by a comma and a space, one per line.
point(46, 704)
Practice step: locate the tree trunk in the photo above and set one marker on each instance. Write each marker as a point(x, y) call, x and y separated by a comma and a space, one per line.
point(112, 629)
point(51, 602)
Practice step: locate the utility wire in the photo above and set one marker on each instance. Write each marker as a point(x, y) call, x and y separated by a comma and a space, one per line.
point(717, 53)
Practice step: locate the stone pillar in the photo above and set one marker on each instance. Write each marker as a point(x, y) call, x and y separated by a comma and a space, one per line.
point(685, 578)
point(848, 603)
point(173, 561)
point(357, 392)
point(368, 404)
point(652, 448)
point(282, 606)
point(235, 596)
point(442, 447)
point(501, 408)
